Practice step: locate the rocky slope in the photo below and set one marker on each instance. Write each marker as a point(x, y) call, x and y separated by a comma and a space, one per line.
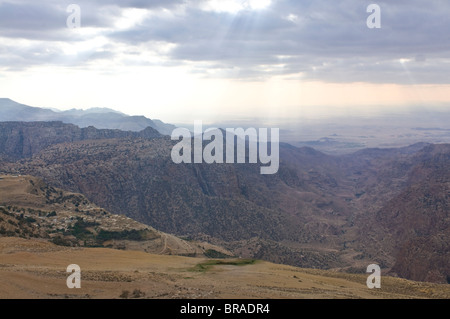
point(29, 208)
point(414, 226)
point(23, 139)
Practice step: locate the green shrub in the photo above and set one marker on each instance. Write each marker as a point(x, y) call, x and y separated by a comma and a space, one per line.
point(60, 241)
point(211, 253)
point(30, 220)
point(80, 230)
point(204, 266)
point(53, 213)
point(133, 234)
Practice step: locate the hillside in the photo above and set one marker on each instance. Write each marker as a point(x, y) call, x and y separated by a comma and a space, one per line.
point(414, 226)
point(36, 269)
point(29, 208)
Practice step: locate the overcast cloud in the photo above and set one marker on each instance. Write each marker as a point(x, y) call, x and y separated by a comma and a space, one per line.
point(320, 39)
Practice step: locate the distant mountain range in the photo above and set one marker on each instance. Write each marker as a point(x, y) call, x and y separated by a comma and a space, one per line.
point(101, 118)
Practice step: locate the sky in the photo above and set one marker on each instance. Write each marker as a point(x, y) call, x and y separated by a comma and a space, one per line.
point(211, 60)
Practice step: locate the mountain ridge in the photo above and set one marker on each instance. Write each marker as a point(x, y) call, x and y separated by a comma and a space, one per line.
point(23, 139)
point(101, 118)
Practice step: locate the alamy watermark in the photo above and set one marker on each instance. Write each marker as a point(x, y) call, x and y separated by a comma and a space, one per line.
point(74, 19)
point(257, 140)
point(374, 280)
point(74, 280)
point(374, 20)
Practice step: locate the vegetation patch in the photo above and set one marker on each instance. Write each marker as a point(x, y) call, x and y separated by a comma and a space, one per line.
point(207, 265)
point(87, 234)
point(80, 230)
point(138, 235)
point(61, 241)
point(212, 253)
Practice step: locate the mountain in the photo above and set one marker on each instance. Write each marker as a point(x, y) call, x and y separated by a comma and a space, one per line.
point(230, 205)
point(318, 211)
point(101, 118)
point(29, 208)
point(23, 139)
point(414, 225)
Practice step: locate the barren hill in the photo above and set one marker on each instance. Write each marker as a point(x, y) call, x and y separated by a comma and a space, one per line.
point(29, 208)
point(36, 269)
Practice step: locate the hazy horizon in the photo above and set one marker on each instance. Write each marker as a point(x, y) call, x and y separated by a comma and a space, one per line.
point(215, 60)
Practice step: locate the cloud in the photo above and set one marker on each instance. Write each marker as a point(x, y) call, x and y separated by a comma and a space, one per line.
point(321, 39)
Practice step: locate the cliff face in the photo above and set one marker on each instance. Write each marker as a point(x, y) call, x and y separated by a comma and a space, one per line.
point(411, 228)
point(418, 219)
point(24, 139)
